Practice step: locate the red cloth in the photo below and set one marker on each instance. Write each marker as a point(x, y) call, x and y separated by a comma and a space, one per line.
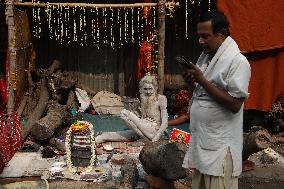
point(10, 138)
point(3, 95)
point(10, 130)
point(255, 25)
point(258, 28)
point(267, 79)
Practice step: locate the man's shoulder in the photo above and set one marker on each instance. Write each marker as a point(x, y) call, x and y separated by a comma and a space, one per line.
point(241, 59)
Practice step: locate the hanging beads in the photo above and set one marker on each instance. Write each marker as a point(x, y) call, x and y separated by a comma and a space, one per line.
point(75, 37)
point(69, 24)
point(111, 29)
point(98, 28)
point(119, 25)
point(93, 26)
point(39, 22)
point(125, 27)
point(186, 17)
point(85, 41)
point(138, 25)
point(132, 26)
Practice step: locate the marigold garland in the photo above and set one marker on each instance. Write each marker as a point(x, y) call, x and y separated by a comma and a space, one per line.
point(144, 59)
point(80, 126)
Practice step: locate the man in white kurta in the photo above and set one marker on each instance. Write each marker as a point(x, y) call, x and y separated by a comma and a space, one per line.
point(216, 111)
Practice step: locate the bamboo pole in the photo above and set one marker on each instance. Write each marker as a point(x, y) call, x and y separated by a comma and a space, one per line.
point(12, 53)
point(86, 5)
point(161, 45)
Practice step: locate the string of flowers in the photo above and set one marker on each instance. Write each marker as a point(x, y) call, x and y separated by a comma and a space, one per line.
point(79, 127)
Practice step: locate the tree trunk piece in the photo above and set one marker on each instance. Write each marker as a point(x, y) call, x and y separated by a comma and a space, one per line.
point(163, 159)
point(38, 111)
point(257, 141)
point(46, 126)
point(22, 105)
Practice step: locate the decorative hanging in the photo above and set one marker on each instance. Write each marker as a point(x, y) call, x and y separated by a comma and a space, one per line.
point(186, 18)
point(138, 25)
point(171, 8)
point(132, 25)
point(10, 137)
point(146, 12)
point(125, 25)
point(78, 23)
point(148, 56)
point(97, 28)
point(144, 59)
point(3, 95)
point(111, 29)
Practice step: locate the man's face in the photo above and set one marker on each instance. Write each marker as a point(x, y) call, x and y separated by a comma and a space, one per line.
point(148, 89)
point(209, 41)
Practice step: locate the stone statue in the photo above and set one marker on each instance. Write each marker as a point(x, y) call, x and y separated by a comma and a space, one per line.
point(153, 120)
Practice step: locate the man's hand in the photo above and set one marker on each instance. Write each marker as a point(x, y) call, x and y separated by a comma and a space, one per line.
point(193, 75)
point(220, 95)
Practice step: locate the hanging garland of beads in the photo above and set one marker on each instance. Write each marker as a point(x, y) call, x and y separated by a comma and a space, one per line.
point(95, 23)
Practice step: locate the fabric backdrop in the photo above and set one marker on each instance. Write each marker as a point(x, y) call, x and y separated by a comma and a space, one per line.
point(258, 28)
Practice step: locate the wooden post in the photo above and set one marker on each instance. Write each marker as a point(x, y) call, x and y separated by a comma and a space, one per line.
point(161, 45)
point(12, 53)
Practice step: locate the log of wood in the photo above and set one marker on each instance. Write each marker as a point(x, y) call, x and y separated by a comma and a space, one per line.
point(22, 105)
point(45, 127)
point(259, 140)
point(163, 159)
point(33, 96)
point(60, 83)
point(38, 111)
point(56, 116)
point(130, 175)
point(55, 65)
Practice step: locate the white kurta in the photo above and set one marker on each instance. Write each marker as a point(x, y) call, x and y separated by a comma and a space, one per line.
point(214, 129)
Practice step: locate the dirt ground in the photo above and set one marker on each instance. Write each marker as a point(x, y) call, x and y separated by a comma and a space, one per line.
point(266, 177)
point(268, 174)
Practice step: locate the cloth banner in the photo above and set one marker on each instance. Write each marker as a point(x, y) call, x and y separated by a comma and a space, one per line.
point(258, 28)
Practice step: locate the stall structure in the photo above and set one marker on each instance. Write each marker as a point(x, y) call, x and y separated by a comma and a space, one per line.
point(59, 17)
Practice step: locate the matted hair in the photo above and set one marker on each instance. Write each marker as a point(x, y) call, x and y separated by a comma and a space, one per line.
point(150, 79)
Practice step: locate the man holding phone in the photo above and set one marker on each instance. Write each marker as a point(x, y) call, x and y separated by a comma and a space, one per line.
point(221, 78)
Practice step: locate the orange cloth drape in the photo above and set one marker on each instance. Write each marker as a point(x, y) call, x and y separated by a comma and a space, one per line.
point(258, 28)
point(144, 59)
point(267, 80)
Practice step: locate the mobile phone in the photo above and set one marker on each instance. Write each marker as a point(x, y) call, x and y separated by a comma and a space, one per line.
point(184, 62)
